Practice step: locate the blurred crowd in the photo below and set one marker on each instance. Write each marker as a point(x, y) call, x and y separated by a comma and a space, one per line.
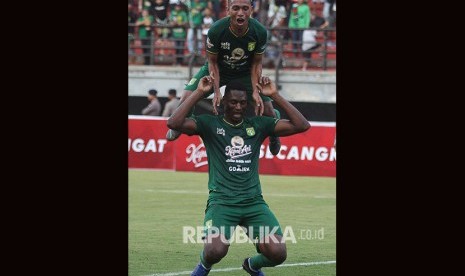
point(188, 22)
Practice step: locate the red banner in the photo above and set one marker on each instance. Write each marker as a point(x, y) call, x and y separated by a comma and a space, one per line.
point(147, 144)
point(310, 153)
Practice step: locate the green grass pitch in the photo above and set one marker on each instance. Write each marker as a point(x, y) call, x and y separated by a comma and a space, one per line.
point(162, 202)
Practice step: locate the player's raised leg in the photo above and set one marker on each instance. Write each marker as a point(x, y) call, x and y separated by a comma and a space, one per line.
point(172, 134)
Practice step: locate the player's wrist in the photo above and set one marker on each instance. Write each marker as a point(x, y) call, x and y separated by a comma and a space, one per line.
point(200, 92)
point(274, 96)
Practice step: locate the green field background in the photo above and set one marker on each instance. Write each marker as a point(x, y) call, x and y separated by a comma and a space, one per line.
point(162, 202)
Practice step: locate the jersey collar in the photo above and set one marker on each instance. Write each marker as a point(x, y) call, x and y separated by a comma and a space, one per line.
point(236, 35)
point(233, 125)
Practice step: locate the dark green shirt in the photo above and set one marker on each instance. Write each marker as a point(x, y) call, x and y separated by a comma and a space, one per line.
point(235, 54)
point(233, 153)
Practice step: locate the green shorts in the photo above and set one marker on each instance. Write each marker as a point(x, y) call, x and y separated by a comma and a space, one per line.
point(194, 82)
point(256, 218)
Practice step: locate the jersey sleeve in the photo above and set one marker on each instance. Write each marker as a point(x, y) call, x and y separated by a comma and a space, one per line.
point(198, 123)
point(262, 39)
point(212, 41)
point(266, 124)
point(202, 122)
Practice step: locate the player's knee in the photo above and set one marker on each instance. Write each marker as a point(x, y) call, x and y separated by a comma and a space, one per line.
point(275, 252)
point(279, 256)
point(214, 254)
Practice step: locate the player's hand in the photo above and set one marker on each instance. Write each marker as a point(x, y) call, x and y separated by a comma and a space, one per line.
point(216, 96)
point(259, 108)
point(216, 101)
point(264, 80)
point(205, 84)
point(268, 89)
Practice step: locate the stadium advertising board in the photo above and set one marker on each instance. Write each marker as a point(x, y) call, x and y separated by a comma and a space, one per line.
point(147, 144)
point(308, 154)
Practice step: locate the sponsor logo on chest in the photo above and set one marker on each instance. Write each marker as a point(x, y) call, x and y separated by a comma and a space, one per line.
point(225, 45)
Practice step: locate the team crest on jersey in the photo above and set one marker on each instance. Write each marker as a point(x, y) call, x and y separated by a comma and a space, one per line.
point(237, 141)
point(250, 131)
point(208, 223)
point(220, 131)
point(192, 81)
point(209, 44)
point(251, 46)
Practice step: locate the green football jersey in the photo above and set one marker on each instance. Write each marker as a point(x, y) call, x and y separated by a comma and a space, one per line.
point(235, 54)
point(233, 153)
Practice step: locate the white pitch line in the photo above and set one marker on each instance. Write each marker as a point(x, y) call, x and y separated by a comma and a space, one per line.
point(239, 268)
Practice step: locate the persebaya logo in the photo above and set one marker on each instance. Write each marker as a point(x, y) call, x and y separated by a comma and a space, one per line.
point(192, 81)
point(251, 46)
point(250, 131)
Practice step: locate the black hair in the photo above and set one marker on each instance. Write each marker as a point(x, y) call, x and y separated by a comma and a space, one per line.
point(172, 92)
point(251, 2)
point(234, 85)
point(153, 92)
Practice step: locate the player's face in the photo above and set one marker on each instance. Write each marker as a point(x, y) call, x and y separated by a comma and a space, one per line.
point(235, 106)
point(239, 12)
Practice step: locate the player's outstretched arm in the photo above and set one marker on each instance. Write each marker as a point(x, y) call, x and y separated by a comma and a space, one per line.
point(256, 76)
point(296, 123)
point(178, 120)
point(215, 73)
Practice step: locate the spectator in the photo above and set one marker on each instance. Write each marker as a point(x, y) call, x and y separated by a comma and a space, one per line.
point(215, 6)
point(148, 5)
point(144, 4)
point(277, 15)
point(332, 16)
point(173, 4)
point(299, 19)
point(329, 8)
point(317, 21)
point(178, 18)
point(171, 104)
point(309, 43)
point(207, 22)
point(145, 22)
point(195, 21)
point(160, 14)
point(132, 18)
point(154, 107)
point(260, 10)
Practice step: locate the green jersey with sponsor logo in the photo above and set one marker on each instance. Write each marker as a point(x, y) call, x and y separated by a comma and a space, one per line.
point(233, 153)
point(235, 54)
